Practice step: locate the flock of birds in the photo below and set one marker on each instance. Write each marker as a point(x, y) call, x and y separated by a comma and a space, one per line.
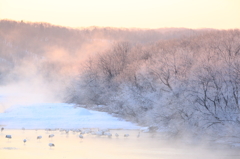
point(82, 132)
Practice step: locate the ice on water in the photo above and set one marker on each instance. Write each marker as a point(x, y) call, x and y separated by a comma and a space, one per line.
point(59, 115)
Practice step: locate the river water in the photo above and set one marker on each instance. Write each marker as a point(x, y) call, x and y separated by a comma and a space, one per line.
point(70, 146)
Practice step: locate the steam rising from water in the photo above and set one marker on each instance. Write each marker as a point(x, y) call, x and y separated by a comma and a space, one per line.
point(70, 146)
point(42, 77)
point(25, 93)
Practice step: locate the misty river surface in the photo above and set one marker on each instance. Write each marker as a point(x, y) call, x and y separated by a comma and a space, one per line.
point(70, 146)
point(35, 118)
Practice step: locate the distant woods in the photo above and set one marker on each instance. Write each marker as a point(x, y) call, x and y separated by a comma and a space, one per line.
point(182, 80)
point(189, 84)
point(51, 47)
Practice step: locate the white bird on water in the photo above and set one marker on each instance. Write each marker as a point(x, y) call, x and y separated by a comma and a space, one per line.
point(99, 133)
point(82, 132)
point(51, 145)
point(108, 134)
point(25, 140)
point(81, 136)
point(51, 136)
point(8, 136)
point(39, 137)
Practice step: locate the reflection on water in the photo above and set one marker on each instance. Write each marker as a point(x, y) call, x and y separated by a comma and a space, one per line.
point(70, 146)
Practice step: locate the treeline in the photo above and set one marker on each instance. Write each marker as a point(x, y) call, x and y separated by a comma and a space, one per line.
point(188, 84)
point(53, 49)
point(53, 55)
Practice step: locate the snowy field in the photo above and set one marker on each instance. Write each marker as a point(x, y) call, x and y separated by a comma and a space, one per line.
point(59, 115)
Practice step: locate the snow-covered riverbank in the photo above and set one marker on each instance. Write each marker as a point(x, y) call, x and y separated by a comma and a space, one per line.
point(59, 115)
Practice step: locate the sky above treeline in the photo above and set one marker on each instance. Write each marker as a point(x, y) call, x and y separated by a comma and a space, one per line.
point(218, 14)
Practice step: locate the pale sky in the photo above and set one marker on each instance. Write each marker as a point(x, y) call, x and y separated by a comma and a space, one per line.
point(219, 14)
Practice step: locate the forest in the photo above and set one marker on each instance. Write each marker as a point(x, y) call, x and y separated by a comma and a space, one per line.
point(179, 80)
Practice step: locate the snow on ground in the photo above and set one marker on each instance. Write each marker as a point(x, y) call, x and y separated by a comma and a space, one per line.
point(59, 115)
